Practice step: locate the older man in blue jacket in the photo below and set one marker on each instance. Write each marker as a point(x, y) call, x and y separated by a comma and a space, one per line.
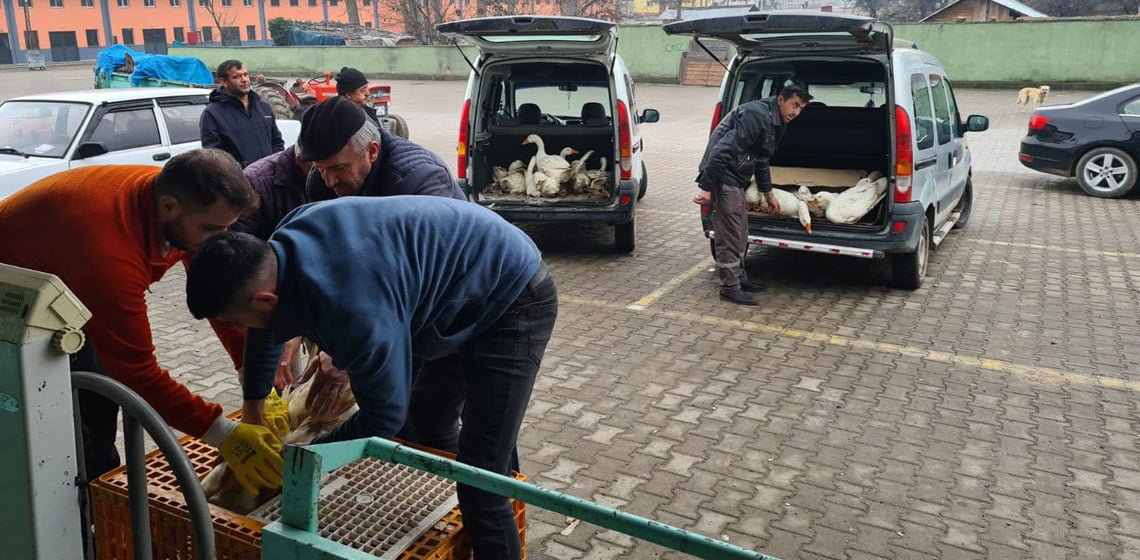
point(378, 282)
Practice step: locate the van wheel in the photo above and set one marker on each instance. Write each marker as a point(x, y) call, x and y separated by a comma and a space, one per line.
point(644, 182)
point(965, 205)
point(909, 269)
point(625, 236)
point(1106, 172)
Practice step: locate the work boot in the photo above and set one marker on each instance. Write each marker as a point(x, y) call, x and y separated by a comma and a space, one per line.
point(750, 286)
point(736, 295)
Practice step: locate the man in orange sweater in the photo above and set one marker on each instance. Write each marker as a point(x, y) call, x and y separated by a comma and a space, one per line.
point(109, 232)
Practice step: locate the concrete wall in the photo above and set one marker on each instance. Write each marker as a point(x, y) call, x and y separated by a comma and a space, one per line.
point(1033, 52)
point(1101, 52)
point(650, 55)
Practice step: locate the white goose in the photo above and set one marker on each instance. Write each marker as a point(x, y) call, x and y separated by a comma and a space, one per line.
point(579, 177)
point(513, 179)
point(538, 184)
point(790, 205)
point(850, 205)
point(554, 166)
point(815, 207)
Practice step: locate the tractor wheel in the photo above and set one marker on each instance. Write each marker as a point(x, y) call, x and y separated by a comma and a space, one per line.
point(276, 100)
point(396, 125)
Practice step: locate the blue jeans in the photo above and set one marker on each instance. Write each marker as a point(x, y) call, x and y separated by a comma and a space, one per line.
point(498, 368)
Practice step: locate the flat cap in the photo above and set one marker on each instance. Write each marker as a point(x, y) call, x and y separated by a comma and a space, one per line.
point(328, 126)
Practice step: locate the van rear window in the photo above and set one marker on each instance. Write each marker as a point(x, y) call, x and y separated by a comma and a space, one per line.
point(563, 99)
point(866, 94)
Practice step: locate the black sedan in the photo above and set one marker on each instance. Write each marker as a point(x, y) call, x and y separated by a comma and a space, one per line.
point(1097, 140)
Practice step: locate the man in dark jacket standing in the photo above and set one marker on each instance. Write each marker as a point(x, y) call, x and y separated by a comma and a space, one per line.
point(355, 157)
point(741, 146)
point(353, 86)
point(237, 120)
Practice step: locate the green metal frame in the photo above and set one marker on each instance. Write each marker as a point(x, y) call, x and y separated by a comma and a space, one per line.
point(295, 535)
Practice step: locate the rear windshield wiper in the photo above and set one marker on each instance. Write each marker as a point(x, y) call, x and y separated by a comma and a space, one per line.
point(13, 151)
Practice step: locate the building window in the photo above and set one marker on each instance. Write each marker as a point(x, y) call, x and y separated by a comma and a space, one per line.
point(312, 2)
point(367, 2)
point(124, 4)
point(203, 3)
point(148, 3)
point(56, 3)
point(333, 2)
point(128, 36)
point(294, 2)
point(92, 37)
point(32, 38)
point(274, 2)
point(251, 32)
point(179, 35)
point(368, 24)
point(23, 3)
point(207, 34)
point(86, 3)
point(247, 3)
point(175, 3)
point(227, 3)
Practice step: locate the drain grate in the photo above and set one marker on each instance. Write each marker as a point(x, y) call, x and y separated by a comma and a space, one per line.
point(375, 506)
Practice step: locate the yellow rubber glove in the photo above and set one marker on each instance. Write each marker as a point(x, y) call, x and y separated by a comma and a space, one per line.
point(277, 414)
point(254, 455)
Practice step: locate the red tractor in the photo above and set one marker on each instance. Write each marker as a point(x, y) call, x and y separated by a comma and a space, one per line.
point(291, 103)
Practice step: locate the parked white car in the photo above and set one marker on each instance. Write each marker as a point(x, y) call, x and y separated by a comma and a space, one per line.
point(41, 135)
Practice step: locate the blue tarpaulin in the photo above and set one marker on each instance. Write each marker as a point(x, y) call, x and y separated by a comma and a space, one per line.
point(301, 37)
point(163, 67)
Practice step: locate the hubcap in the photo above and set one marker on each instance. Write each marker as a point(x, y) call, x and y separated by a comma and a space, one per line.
point(923, 243)
point(1106, 172)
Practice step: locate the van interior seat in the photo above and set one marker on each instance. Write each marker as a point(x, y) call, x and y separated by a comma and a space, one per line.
point(594, 114)
point(837, 138)
point(529, 113)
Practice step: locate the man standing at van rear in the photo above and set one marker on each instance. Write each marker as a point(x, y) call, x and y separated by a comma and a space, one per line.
point(741, 146)
point(237, 120)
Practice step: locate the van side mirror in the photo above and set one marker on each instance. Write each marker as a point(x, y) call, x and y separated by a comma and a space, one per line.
point(649, 116)
point(977, 123)
point(90, 149)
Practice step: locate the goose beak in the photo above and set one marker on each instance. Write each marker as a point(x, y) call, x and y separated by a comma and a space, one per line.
point(808, 228)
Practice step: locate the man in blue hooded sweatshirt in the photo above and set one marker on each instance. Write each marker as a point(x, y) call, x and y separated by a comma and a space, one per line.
point(378, 282)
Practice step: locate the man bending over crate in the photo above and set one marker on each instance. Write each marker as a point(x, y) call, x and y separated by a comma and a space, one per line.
point(378, 282)
point(109, 232)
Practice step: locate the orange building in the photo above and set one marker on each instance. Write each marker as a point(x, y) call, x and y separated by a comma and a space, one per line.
point(66, 30)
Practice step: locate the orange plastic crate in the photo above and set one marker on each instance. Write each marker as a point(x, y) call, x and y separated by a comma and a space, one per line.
point(236, 537)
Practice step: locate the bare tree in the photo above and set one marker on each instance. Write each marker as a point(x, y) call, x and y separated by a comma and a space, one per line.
point(353, 12)
point(224, 17)
point(872, 7)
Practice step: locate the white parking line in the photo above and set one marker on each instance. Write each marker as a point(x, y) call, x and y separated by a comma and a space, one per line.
point(1071, 250)
point(1029, 373)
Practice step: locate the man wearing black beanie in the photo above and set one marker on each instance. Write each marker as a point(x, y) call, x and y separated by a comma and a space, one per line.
point(353, 86)
point(355, 157)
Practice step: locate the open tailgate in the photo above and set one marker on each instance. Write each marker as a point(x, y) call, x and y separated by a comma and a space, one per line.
point(535, 35)
point(791, 32)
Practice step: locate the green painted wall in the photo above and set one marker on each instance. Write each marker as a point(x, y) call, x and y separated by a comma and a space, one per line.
point(1053, 52)
point(1033, 52)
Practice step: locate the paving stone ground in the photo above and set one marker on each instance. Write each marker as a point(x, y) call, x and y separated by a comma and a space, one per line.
point(990, 414)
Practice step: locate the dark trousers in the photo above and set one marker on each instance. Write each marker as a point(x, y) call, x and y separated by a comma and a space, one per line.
point(490, 380)
point(99, 418)
point(730, 226)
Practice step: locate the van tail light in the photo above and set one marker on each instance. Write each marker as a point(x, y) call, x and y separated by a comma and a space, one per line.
point(1037, 122)
point(625, 141)
point(904, 156)
point(716, 116)
point(461, 148)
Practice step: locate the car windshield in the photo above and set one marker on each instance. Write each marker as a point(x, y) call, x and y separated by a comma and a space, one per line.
point(40, 128)
point(564, 99)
